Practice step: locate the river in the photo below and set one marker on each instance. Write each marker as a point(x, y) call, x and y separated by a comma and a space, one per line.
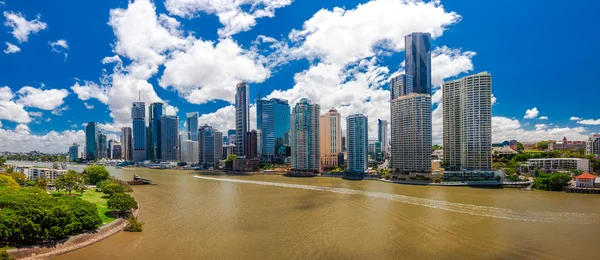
point(192, 215)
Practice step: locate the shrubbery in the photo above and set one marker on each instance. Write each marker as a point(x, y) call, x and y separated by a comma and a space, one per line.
point(133, 225)
point(551, 181)
point(7, 182)
point(112, 189)
point(95, 174)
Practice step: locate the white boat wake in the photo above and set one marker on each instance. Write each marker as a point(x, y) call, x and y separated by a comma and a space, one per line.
point(485, 211)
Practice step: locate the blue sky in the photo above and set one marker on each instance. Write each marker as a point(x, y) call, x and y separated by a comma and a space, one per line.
point(190, 53)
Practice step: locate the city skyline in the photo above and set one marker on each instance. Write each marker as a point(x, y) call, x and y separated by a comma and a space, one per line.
point(68, 77)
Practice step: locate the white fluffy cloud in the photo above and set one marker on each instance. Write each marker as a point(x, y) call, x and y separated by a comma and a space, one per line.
point(231, 13)
point(208, 72)
point(531, 113)
point(223, 119)
point(11, 48)
point(43, 99)
point(91, 90)
point(543, 118)
point(22, 140)
point(9, 110)
point(574, 118)
point(21, 27)
point(60, 46)
point(508, 129)
point(589, 122)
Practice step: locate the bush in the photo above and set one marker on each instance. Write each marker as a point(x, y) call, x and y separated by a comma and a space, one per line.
point(4, 255)
point(9, 183)
point(551, 182)
point(122, 202)
point(112, 189)
point(134, 225)
point(20, 178)
point(95, 174)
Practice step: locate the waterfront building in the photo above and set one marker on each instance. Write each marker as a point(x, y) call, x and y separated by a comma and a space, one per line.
point(73, 152)
point(91, 141)
point(251, 145)
point(551, 165)
point(330, 128)
point(117, 151)
point(169, 138)
point(565, 144)
point(192, 126)
point(418, 62)
point(138, 115)
point(272, 121)
point(411, 134)
point(127, 149)
point(102, 147)
point(109, 149)
point(585, 180)
point(468, 123)
point(44, 173)
point(357, 132)
point(212, 147)
point(157, 110)
point(189, 151)
point(593, 145)
point(242, 117)
point(400, 85)
point(304, 137)
point(228, 149)
point(382, 136)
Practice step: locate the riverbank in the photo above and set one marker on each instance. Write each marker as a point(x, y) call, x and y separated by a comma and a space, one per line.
point(55, 248)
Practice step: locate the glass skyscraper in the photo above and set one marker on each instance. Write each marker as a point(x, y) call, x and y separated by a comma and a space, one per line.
point(169, 138)
point(91, 141)
point(156, 112)
point(138, 114)
point(358, 140)
point(418, 62)
point(102, 148)
point(192, 126)
point(212, 146)
point(304, 136)
point(126, 144)
point(272, 121)
point(242, 117)
point(382, 135)
point(400, 86)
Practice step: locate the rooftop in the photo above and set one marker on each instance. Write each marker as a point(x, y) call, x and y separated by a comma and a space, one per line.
point(586, 176)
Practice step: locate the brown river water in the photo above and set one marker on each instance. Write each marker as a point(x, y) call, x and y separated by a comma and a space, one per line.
point(211, 215)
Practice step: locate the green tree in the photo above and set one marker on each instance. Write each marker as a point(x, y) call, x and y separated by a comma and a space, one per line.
point(55, 165)
point(4, 255)
point(9, 183)
point(520, 147)
point(95, 174)
point(20, 178)
point(2, 161)
point(122, 203)
point(551, 181)
point(542, 145)
point(133, 225)
point(229, 161)
point(70, 181)
point(436, 147)
point(41, 183)
point(112, 188)
point(10, 169)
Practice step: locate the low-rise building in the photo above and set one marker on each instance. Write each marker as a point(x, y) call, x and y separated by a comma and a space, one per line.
point(566, 145)
point(246, 165)
point(473, 175)
point(585, 180)
point(437, 155)
point(559, 164)
point(503, 151)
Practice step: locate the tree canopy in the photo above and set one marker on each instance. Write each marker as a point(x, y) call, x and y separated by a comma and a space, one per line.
point(8, 183)
point(95, 174)
point(122, 202)
point(112, 188)
point(70, 181)
point(551, 181)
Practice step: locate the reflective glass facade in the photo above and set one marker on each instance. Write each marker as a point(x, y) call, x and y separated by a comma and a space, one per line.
point(273, 121)
point(91, 141)
point(156, 112)
point(138, 114)
point(418, 62)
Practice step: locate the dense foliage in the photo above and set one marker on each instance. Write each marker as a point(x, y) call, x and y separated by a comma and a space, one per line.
point(112, 189)
point(4, 255)
point(95, 174)
point(20, 178)
point(37, 158)
point(122, 202)
point(133, 225)
point(551, 181)
point(126, 187)
point(70, 181)
point(229, 161)
point(8, 183)
point(32, 216)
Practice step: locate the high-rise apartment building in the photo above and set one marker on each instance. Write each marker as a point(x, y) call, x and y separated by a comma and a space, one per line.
point(116, 151)
point(330, 129)
point(73, 152)
point(91, 141)
point(468, 123)
point(382, 136)
point(411, 134)
point(157, 110)
point(212, 149)
point(192, 126)
point(102, 146)
point(357, 132)
point(138, 115)
point(201, 131)
point(400, 85)
point(304, 136)
point(189, 151)
point(169, 138)
point(272, 121)
point(127, 149)
point(592, 145)
point(242, 117)
point(418, 62)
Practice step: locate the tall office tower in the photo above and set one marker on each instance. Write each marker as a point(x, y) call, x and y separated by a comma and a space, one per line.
point(231, 137)
point(251, 145)
point(201, 131)
point(358, 138)
point(91, 141)
point(375, 152)
point(117, 151)
point(468, 123)
point(213, 146)
point(242, 117)
point(400, 86)
point(411, 134)
point(189, 151)
point(157, 110)
point(382, 136)
point(418, 62)
point(304, 136)
point(73, 152)
point(126, 153)
point(138, 114)
point(102, 148)
point(592, 145)
point(169, 138)
point(192, 126)
point(272, 121)
point(330, 129)
point(343, 143)
point(109, 149)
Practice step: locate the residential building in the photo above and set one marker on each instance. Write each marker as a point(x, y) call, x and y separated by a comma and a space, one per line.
point(468, 123)
point(565, 144)
point(91, 141)
point(189, 151)
point(138, 115)
point(382, 136)
point(357, 132)
point(127, 149)
point(157, 110)
point(192, 126)
point(242, 117)
point(212, 147)
point(330, 128)
point(585, 180)
point(593, 145)
point(273, 121)
point(45, 173)
point(304, 137)
point(201, 131)
point(559, 164)
point(418, 62)
point(169, 138)
point(251, 145)
point(375, 152)
point(411, 134)
point(73, 152)
point(437, 155)
point(503, 151)
point(102, 147)
point(117, 151)
point(400, 85)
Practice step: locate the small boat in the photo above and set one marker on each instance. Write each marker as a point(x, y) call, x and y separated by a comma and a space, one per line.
point(137, 180)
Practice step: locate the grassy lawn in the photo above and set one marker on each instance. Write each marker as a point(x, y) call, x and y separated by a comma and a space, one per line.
point(92, 196)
